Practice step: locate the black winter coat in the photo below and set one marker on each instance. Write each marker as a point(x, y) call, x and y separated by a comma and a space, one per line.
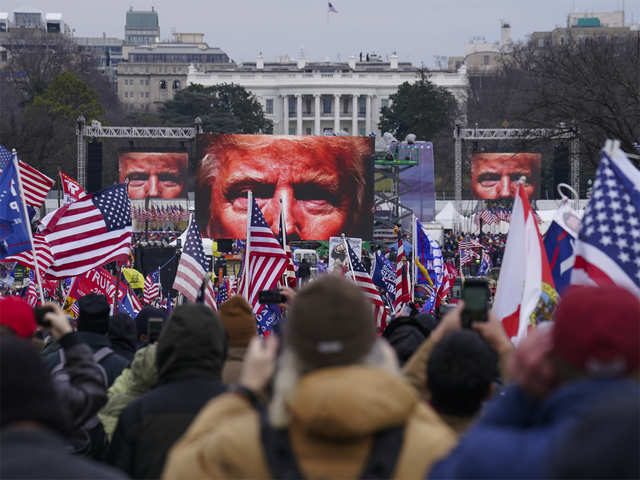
point(40, 453)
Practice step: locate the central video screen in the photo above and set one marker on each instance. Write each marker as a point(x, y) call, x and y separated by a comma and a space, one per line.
point(495, 176)
point(325, 184)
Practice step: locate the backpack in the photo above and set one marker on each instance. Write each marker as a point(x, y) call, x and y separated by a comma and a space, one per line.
point(381, 463)
point(89, 439)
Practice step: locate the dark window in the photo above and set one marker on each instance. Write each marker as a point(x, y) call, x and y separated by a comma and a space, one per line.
point(163, 84)
point(292, 105)
point(362, 106)
point(176, 84)
point(326, 105)
point(345, 105)
point(269, 106)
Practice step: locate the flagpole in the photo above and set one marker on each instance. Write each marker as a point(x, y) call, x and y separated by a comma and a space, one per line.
point(247, 248)
point(353, 275)
point(14, 159)
point(115, 294)
point(414, 254)
point(283, 214)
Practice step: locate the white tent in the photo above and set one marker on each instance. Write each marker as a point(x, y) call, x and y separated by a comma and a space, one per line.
point(449, 216)
point(207, 243)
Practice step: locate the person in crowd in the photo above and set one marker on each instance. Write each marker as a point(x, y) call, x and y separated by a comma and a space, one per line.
point(613, 452)
point(190, 355)
point(339, 407)
point(322, 181)
point(93, 324)
point(560, 371)
point(33, 423)
point(142, 323)
point(154, 174)
point(16, 317)
point(495, 175)
point(240, 323)
point(304, 272)
point(406, 334)
point(454, 369)
point(123, 335)
point(133, 382)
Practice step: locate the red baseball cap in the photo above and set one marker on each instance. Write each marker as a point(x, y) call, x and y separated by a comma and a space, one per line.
point(18, 315)
point(597, 329)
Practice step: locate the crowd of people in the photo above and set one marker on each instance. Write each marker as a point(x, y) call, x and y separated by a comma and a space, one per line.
point(195, 393)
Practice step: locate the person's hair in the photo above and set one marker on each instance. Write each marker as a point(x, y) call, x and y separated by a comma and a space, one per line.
point(460, 371)
point(349, 153)
point(291, 369)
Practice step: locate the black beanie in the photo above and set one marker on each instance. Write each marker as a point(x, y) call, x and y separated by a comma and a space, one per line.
point(26, 388)
point(94, 313)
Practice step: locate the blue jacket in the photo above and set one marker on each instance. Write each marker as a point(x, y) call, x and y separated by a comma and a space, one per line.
point(516, 435)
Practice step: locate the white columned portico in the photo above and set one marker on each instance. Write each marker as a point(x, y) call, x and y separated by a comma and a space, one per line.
point(354, 115)
point(285, 108)
point(298, 114)
point(316, 111)
point(336, 113)
point(368, 116)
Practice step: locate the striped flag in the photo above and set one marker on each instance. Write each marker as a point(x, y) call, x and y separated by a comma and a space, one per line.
point(192, 269)
point(403, 291)
point(151, 287)
point(607, 250)
point(90, 232)
point(363, 280)
point(71, 189)
point(267, 259)
point(488, 217)
point(468, 243)
point(43, 254)
point(35, 184)
point(32, 291)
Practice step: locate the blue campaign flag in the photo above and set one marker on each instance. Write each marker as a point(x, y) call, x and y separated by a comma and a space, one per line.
point(558, 243)
point(14, 236)
point(384, 276)
point(268, 318)
point(429, 254)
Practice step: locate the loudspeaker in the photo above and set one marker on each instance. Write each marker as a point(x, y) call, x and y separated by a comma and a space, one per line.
point(225, 245)
point(94, 166)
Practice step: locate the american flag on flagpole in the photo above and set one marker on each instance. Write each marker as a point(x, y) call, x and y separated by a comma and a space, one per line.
point(151, 289)
point(32, 291)
point(267, 259)
point(488, 217)
point(607, 250)
point(192, 269)
point(35, 184)
point(469, 243)
point(363, 280)
point(43, 253)
point(403, 292)
point(467, 256)
point(90, 232)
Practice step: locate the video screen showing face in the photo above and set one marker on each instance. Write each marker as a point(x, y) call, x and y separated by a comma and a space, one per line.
point(326, 184)
point(495, 175)
point(154, 174)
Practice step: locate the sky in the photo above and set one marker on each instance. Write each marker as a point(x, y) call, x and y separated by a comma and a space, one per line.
point(418, 30)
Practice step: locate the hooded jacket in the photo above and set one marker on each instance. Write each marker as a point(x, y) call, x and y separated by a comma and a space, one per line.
point(334, 414)
point(133, 382)
point(189, 358)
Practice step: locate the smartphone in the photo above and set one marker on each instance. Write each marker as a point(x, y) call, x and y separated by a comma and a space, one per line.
point(154, 327)
point(475, 295)
point(40, 312)
point(271, 297)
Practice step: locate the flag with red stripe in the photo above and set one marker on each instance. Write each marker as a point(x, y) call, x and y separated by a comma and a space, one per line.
point(267, 258)
point(90, 232)
point(71, 189)
point(363, 280)
point(43, 254)
point(151, 287)
point(35, 184)
point(403, 291)
point(192, 269)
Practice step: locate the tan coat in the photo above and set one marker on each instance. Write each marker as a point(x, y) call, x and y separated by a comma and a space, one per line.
point(334, 414)
point(233, 365)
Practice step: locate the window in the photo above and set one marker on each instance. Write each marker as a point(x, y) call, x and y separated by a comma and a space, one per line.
point(146, 94)
point(541, 42)
point(141, 81)
point(345, 105)
point(146, 82)
point(292, 106)
point(269, 106)
point(176, 84)
point(384, 102)
point(307, 105)
point(292, 130)
point(326, 105)
point(308, 130)
point(163, 84)
point(126, 94)
point(362, 131)
point(485, 60)
point(362, 106)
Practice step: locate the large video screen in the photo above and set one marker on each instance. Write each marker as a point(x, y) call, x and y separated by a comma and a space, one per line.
point(495, 175)
point(155, 174)
point(325, 183)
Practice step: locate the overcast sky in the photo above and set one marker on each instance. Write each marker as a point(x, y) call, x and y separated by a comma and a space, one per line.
point(417, 29)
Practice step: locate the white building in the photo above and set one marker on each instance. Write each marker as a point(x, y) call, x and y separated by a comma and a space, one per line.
point(312, 98)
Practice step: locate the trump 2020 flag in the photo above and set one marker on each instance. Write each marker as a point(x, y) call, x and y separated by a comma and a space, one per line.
point(608, 247)
point(14, 236)
point(526, 294)
point(559, 242)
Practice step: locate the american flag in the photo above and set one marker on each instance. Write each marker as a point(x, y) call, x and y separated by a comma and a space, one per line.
point(488, 217)
point(331, 8)
point(233, 282)
point(192, 269)
point(75, 309)
point(607, 249)
point(223, 292)
point(35, 184)
point(467, 256)
point(403, 293)
point(90, 232)
point(43, 254)
point(468, 243)
point(151, 287)
point(363, 280)
point(267, 259)
point(32, 291)
point(503, 215)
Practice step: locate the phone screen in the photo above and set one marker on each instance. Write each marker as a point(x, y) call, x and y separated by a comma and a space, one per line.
point(476, 302)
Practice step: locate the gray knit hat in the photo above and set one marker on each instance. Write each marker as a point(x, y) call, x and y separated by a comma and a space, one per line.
point(330, 323)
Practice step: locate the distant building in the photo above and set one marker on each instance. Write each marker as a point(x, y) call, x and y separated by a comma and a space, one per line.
point(312, 98)
point(141, 27)
point(107, 52)
point(581, 26)
point(149, 75)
